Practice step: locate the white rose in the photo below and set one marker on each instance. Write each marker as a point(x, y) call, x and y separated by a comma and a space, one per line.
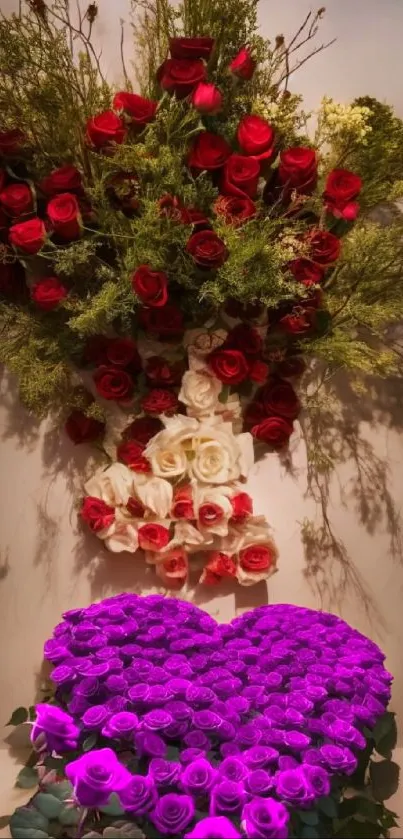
point(219, 497)
point(190, 538)
point(177, 429)
point(154, 493)
point(221, 456)
point(255, 533)
point(122, 535)
point(169, 462)
point(200, 392)
point(113, 485)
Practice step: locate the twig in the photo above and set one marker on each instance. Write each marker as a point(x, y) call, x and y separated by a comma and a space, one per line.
point(88, 45)
point(301, 29)
point(122, 56)
point(304, 60)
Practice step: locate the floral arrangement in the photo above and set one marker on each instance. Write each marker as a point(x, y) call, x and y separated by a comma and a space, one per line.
point(179, 726)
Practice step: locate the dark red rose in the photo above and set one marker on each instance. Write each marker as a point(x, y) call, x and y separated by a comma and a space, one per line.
point(256, 558)
point(274, 431)
point(191, 47)
point(258, 371)
point(113, 383)
point(162, 374)
point(143, 429)
point(17, 199)
point(97, 514)
point(150, 286)
point(181, 76)
point(95, 350)
point(64, 215)
point(209, 151)
point(249, 311)
point(195, 217)
point(182, 505)
point(160, 401)
point(298, 170)
point(48, 293)
point(235, 210)
point(245, 338)
point(166, 322)
point(28, 236)
point(305, 271)
point(170, 207)
point(324, 247)
point(105, 129)
point(12, 278)
point(65, 179)
point(240, 176)
point(207, 99)
point(153, 537)
point(230, 366)
point(256, 137)
point(341, 189)
point(140, 110)
point(3, 178)
point(242, 507)
point(135, 508)
point(243, 65)
point(132, 454)
point(11, 142)
point(122, 352)
point(278, 397)
point(123, 190)
point(291, 367)
point(299, 321)
point(83, 429)
point(254, 414)
point(207, 249)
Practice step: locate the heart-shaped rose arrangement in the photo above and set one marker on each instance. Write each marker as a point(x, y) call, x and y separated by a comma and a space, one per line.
point(208, 730)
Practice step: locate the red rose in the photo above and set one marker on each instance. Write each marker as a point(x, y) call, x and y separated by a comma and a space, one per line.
point(210, 514)
point(11, 142)
point(207, 99)
point(182, 506)
point(324, 247)
point(209, 151)
point(143, 429)
point(173, 569)
point(278, 397)
point(274, 431)
point(113, 384)
point(291, 367)
point(65, 179)
point(162, 374)
point(256, 137)
point(243, 65)
point(64, 215)
point(140, 110)
point(298, 322)
point(28, 236)
point(195, 217)
point(83, 429)
point(170, 207)
point(248, 311)
point(122, 190)
point(298, 170)
point(207, 249)
point(166, 322)
point(230, 366)
point(11, 275)
point(122, 352)
point(132, 455)
point(235, 210)
point(258, 371)
point(135, 508)
point(242, 507)
point(254, 414)
point(48, 293)
point(341, 189)
point(305, 271)
point(219, 565)
point(95, 350)
point(153, 537)
point(181, 76)
point(17, 199)
point(105, 129)
point(97, 514)
point(245, 338)
point(191, 47)
point(150, 286)
point(159, 401)
point(240, 176)
point(256, 558)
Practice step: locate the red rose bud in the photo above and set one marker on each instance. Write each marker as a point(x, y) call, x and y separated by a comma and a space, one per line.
point(97, 514)
point(240, 176)
point(140, 110)
point(105, 129)
point(160, 401)
point(162, 374)
point(242, 507)
point(122, 352)
point(256, 137)
point(113, 383)
point(181, 76)
point(153, 537)
point(191, 47)
point(131, 454)
point(64, 215)
point(235, 211)
point(150, 286)
point(306, 272)
point(11, 142)
point(28, 236)
point(298, 170)
point(278, 397)
point(258, 371)
point(210, 514)
point(209, 151)
point(65, 179)
point(243, 65)
point(17, 199)
point(48, 293)
point(83, 429)
point(219, 565)
point(229, 366)
point(274, 431)
point(297, 322)
point(207, 99)
point(341, 189)
point(142, 430)
point(324, 247)
point(207, 249)
point(166, 322)
point(182, 507)
point(245, 338)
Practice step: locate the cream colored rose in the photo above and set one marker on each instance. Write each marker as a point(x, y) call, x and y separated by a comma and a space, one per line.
point(220, 456)
point(200, 392)
point(190, 538)
point(122, 535)
point(256, 552)
point(169, 463)
point(113, 485)
point(154, 493)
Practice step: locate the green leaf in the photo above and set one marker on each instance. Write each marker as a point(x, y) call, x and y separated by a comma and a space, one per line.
point(224, 394)
point(48, 805)
point(328, 806)
point(368, 809)
point(18, 716)
point(309, 817)
point(29, 833)
point(385, 727)
point(90, 742)
point(69, 815)
point(309, 832)
point(26, 821)
point(27, 778)
point(32, 713)
point(60, 789)
point(113, 808)
point(384, 776)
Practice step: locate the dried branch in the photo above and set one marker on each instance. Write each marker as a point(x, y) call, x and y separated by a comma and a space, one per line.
point(122, 55)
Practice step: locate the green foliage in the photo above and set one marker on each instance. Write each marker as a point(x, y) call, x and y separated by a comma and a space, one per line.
point(380, 160)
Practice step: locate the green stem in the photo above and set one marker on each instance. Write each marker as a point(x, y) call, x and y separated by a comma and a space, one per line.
point(81, 821)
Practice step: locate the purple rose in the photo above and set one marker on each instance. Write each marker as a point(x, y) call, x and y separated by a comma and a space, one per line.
point(197, 740)
point(165, 772)
point(121, 726)
point(318, 778)
point(59, 729)
point(140, 795)
point(117, 704)
point(338, 759)
point(344, 733)
point(259, 756)
point(95, 717)
point(63, 675)
point(200, 696)
point(189, 755)
point(214, 827)
point(248, 735)
point(95, 776)
point(294, 787)
point(173, 813)
point(199, 777)
point(207, 721)
point(265, 818)
point(148, 743)
point(157, 720)
point(227, 797)
point(259, 782)
point(296, 741)
point(234, 769)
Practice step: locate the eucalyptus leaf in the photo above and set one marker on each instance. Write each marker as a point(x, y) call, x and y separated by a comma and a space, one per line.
point(27, 778)
point(328, 806)
point(384, 776)
point(27, 818)
point(29, 833)
point(113, 808)
point(309, 817)
point(69, 815)
point(61, 789)
point(18, 716)
point(90, 742)
point(48, 805)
